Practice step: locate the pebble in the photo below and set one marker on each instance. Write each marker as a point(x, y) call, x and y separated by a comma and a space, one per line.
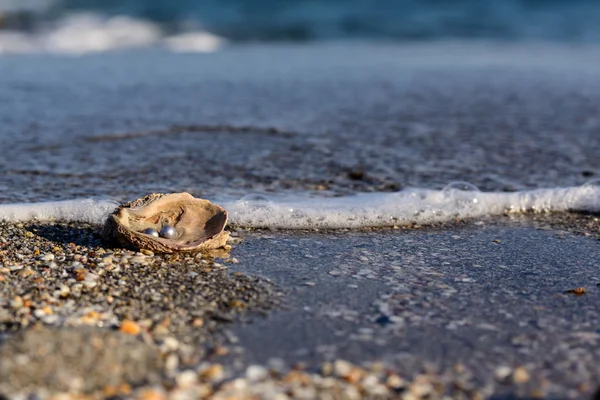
point(255, 373)
point(89, 284)
point(170, 344)
point(171, 363)
point(520, 375)
point(421, 386)
point(50, 319)
point(48, 257)
point(25, 273)
point(130, 327)
point(17, 302)
point(213, 373)
point(139, 259)
point(342, 368)
point(186, 378)
point(151, 394)
point(502, 373)
point(64, 290)
point(395, 382)
point(90, 277)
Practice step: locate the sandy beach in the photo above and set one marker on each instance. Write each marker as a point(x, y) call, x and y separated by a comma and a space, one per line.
point(473, 309)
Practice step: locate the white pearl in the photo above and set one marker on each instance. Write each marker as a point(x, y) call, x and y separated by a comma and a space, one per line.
point(168, 232)
point(151, 232)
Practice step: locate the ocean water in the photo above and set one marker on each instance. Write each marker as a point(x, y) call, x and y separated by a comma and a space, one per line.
point(407, 133)
point(83, 26)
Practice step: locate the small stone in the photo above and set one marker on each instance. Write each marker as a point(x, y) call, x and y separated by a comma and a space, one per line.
point(421, 386)
point(64, 290)
point(370, 381)
point(520, 375)
point(355, 375)
point(147, 252)
point(160, 330)
point(90, 277)
point(89, 284)
point(50, 319)
point(107, 260)
point(170, 343)
point(342, 368)
point(502, 373)
point(335, 272)
point(130, 327)
point(213, 373)
point(256, 373)
point(140, 259)
point(186, 378)
point(17, 302)
point(48, 257)
point(326, 369)
point(26, 273)
point(171, 363)
point(151, 394)
point(395, 382)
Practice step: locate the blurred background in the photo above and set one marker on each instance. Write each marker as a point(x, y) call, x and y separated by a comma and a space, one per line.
point(204, 25)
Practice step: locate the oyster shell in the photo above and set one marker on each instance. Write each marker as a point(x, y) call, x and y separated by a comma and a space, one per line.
point(198, 223)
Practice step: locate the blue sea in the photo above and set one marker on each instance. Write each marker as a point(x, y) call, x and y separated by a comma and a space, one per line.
point(97, 25)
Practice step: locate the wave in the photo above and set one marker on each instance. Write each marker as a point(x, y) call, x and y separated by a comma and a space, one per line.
point(83, 33)
point(458, 200)
point(299, 20)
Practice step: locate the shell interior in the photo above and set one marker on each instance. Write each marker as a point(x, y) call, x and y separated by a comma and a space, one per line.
point(196, 221)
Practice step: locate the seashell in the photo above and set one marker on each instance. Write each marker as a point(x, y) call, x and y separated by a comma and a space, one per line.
point(198, 223)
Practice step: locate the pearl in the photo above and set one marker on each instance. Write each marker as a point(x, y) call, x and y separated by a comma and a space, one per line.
point(151, 232)
point(168, 232)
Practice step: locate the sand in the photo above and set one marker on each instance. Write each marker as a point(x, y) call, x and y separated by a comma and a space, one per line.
point(470, 305)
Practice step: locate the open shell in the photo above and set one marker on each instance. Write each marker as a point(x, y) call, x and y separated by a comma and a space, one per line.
point(199, 223)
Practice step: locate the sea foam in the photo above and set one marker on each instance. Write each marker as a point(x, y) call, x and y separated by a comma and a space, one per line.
point(458, 200)
point(83, 33)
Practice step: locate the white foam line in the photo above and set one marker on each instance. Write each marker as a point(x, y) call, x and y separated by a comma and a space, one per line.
point(411, 206)
point(84, 210)
point(416, 206)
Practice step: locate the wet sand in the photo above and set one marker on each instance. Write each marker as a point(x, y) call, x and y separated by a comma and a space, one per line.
point(298, 118)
